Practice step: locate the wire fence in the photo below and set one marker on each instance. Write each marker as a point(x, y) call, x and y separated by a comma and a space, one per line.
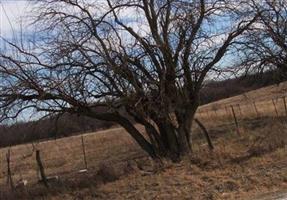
point(235, 113)
point(89, 151)
point(68, 155)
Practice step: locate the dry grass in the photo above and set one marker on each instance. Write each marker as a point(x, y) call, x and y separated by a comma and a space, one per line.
point(263, 103)
point(262, 94)
point(232, 171)
point(65, 155)
point(238, 168)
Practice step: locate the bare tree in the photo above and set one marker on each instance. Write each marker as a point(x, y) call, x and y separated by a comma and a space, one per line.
point(266, 44)
point(141, 61)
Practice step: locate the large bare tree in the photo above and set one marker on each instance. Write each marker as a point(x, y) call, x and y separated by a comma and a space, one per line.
point(124, 61)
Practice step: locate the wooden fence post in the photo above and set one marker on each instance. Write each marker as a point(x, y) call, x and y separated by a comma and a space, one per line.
point(215, 113)
point(41, 168)
point(9, 174)
point(284, 101)
point(84, 152)
point(275, 108)
point(239, 109)
point(256, 110)
point(235, 120)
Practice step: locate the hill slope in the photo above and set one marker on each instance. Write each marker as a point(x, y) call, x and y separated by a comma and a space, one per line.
point(238, 167)
point(268, 93)
point(263, 102)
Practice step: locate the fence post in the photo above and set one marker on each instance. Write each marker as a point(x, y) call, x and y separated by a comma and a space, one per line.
point(9, 174)
point(41, 168)
point(284, 101)
point(239, 109)
point(84, 152)
point(215, 113)
point(256, 110)
point(235, 120)
point(275, 108)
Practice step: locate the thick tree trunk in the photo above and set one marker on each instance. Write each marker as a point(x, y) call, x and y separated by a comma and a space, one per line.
point(166, 139)
point(169, 138)
point(184, 143)
point(156, 140)
point(175, 139)
point(184, 118)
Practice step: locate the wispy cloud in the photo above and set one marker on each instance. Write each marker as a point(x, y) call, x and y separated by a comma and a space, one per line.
point(12, 18)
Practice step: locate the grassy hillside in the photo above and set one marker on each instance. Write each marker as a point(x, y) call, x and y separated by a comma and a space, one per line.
point(268, 93)
point(263, 102)
point(216, 90)
point(240, 167)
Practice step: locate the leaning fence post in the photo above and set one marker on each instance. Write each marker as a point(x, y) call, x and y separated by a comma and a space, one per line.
point(275, 108)
point(41, 168)
point(235, 120)
point(84, 152)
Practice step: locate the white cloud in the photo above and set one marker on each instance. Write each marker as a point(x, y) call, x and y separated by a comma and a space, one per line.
point(12, 16)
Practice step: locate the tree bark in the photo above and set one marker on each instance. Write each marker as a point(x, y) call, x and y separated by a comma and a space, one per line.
point(169, 137)
point(184, 144)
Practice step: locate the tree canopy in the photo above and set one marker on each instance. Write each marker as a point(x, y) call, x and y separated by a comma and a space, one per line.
point(124, 61)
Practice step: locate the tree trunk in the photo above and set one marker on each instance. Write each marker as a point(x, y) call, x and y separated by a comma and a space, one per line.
point(156, 140)
point(169, 139)
point(184, 143)
point(166, 139)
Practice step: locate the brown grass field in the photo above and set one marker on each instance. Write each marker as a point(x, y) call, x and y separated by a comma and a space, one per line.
point(240, 167)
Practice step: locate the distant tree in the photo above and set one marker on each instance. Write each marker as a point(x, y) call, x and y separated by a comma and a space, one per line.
point(141, 61)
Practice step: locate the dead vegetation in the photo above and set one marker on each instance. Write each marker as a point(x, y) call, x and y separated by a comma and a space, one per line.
point(239, 166)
